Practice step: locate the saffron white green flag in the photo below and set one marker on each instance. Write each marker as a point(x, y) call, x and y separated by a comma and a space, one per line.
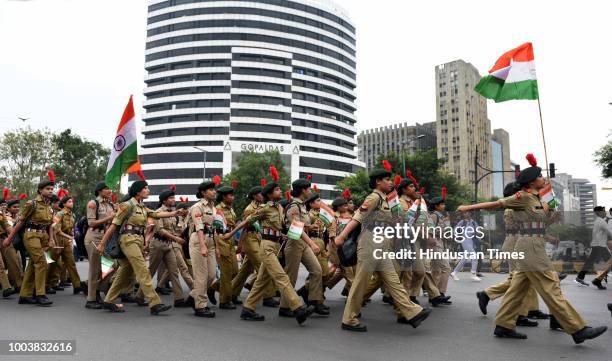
point(295, 230)
point(326, 214)
point(124, 155)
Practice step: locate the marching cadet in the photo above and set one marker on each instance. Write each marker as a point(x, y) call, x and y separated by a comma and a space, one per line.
point(227, 250)
point(131, 221)
point(303, 251)
point(316, 232)
point(342, 217)
point(63, 228)
point(512, 228)
point(100, 213)
point(440, 268)
point(203, 249)
point(536, 268)
point(165, 233)
point(12, 260)
point(5, 229)
point(271, 217)
point(36, 217)
point(250, 242)
point(375, 212)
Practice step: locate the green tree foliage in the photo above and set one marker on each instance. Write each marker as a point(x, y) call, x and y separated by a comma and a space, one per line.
point(570, 232)
point(248, 171)
point(358, 185)
point(603, 158)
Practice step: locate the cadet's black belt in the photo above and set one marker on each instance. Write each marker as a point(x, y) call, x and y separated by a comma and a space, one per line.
point(130, 229)
point(315, 234)
point(31, 226)
point(272, 238)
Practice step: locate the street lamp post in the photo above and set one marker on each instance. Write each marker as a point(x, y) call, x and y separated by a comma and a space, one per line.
point(408, 141)
point(204, 164)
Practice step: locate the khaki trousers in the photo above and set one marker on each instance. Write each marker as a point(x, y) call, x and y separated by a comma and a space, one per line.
point(133, 265)
point(347, 273)
point(12, 262)
point(182, 268)
point(440, 270)
point(228, 271)
point(251, 263)
point(4, 281)
point(204, 269)
point(530, 303)
point(35, 274)
point(296, 252)
point(65, 258)
point(92, 238)
point(161, 253)
point(271, 271)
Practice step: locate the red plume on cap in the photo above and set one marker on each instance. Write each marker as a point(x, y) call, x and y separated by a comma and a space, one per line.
point(23, 196)
point(6, 193)
point(422, 191)
point(172, 188)
point(397, 180)
point(346, 194)
point(315, 188)
point(113, 197)
point(216, 180)
point(532, 160)
point(411, 177)
point(443, 191)
point(309, 177)
point(140, 174)
point(386, 165)
point(234, 183)
point(61, 193)
point(51, 175)
point(288, 195)
point(274, 173)
point(263, 182)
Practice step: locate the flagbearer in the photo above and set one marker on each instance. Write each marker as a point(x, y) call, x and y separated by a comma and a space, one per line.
point(321, 217)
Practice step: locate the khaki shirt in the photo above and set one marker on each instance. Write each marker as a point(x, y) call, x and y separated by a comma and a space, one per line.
point(405, 202)
point(317, 224)
point(529, 205)
point(201, 215)
point(297, 210)
point(510, 221)
point(170, 224)
point(270, 215)
point(38, 211)
point(251, 233)
point(64, 222)
point(137, 218)
point(4, 225)
point(376, 201)
point(228, 213)
point(104, 209)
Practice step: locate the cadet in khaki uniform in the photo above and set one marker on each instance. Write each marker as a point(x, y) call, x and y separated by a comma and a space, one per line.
point(303, 251)
point(36, 217)
point(536, 268)
point(316, 232)
point(11, 258)
point(375, 211)
point(250, 242)
point(342, 217)
point(203, 249)
point(165, 233)
point(440, 268)
point(227, 250)
point(5, 229)
point(63, 228)
point(131, 220)
point(271, 218)
point(177, 248)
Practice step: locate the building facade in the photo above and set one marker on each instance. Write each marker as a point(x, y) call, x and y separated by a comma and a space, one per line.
point(502, 137)
point(497, 163)
point(462, 126)
point(394, 139)
point(234, 76)
point(582, 197)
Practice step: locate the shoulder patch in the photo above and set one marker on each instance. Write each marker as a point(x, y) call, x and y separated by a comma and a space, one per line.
point(517, 195)
point(364, 206)
point(91, 205)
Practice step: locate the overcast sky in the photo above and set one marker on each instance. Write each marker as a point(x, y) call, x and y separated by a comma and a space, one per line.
point(74, 63)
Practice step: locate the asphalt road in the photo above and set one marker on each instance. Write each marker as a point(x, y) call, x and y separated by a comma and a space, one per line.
point(458, 332)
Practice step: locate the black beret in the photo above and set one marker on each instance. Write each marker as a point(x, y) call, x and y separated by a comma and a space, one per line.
point(269, 188)
point(206, 185)
point(2, 201)
point(404, 183)
point(338, 202)
point(599, 209)
point(136, 187)
point(45, 183)
point(436, 200)
point(12, 202)
point(313, 197)
point(166, 194)
point(528, 175)
point(253, 191)
point(99, 186)
point(300, 183)
point(64, 200)
point(182, 205)
point(511, 188)
point(222, 191)
point(377, 174)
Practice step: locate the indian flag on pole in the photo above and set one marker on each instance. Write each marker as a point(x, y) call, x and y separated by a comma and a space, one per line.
point(124, 155)
point(512, 77)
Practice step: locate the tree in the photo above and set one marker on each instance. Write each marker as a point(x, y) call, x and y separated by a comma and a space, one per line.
point(248, 171)
point(357, 184)
point(78, 164)
point(603, 158)
point(25, 157)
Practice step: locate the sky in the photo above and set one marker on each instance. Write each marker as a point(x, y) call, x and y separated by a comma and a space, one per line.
point(74, 63)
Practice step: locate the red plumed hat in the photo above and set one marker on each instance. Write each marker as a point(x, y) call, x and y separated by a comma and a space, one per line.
point(532, 160)
point(397, 180)
point(346, 194)
point(51, 175)
point(443, 191)
point(140, 174)
point(386, 165)
point(23, 196)
point(172, 188)
point(316, 189)
point(216, 180)
point(234, 183)
point(411, 177)
point(274, 173)
point(6, 193)
point(309, 177)
point(288, 195)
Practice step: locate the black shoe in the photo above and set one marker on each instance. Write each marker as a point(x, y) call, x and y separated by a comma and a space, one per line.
point(50, 291)
point(271, 302)
point(446, 299)
point(190, 302)
point(588, 333)
point(320, 309)
point(43, 301)
point(414, 300)
point(277, 294)
point(211, 296)
point(163, 291)
point(598, 284)
point(437, 301)
point(181, 304)
point(227, 306)
point(65, 284)
point(77, 290)
point(581, 282)
point(204, 312)
point(610, 308)
point(387, 300)
point(554, 324)
point(159, 308)
point(8, 292)
point(508, 333)
point(538, 315)
point(236, 300)
point(344, 292)
point(478, 274)
point(357, 328)
point(58, 288)
point(112, 307)
point(483, 301)
point(285, 312)
point(250, 315)
point(93, 305)
point(302, 313)
point(303, 292)
point(525, 322)
point(420, 317)
point(140, 301)
point(127, 299)
point(26, 301)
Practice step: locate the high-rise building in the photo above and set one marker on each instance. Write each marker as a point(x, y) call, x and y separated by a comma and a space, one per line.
point(463, 127)
point(584, 191)
point(497, 163)
point(228, 77)
point(502, 137)
point(395, 138)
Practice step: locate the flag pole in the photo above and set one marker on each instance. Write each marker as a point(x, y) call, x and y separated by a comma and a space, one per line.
point(543, 138)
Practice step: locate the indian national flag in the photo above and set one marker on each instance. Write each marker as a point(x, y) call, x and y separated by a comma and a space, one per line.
point(512, 77)
point(124, 155)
